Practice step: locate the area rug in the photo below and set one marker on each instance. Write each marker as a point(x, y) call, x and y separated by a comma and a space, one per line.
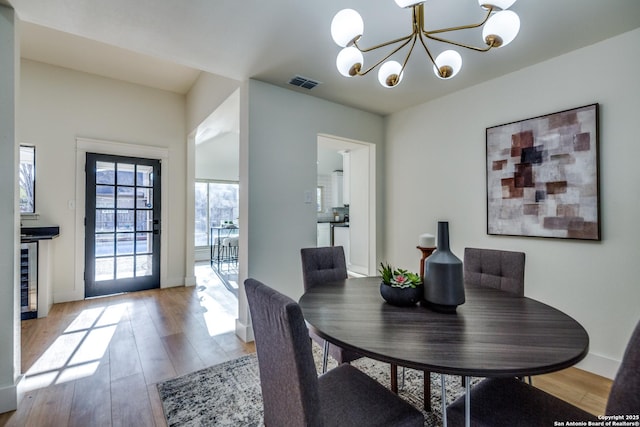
point(229, 394)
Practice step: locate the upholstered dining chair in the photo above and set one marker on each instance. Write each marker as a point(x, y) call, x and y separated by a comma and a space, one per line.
point(327, 264)
point(494, 268)
point(292, 392)
point(509, 402)
point(323, 265)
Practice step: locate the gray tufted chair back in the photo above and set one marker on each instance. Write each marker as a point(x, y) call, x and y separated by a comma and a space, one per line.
point(493, 268)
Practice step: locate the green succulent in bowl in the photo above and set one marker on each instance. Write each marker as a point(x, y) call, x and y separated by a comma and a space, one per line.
point(398, 277)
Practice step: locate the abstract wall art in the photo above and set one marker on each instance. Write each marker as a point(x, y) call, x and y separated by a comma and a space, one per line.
point(542, 176)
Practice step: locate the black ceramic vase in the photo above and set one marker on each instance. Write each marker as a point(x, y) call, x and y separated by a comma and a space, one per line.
point(402, 297)
point(443, 280)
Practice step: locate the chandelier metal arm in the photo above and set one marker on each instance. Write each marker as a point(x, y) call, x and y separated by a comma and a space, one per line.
point(406, 59)
point(430, 34)
point(462, 27)
point(478, 49)
point(428, 51)
point(406, 40)
point(416, 23)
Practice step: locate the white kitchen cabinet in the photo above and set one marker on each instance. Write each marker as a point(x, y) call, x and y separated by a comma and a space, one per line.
point(337, 189)
point(324, 234)
point(346, 177)
point(341, 238)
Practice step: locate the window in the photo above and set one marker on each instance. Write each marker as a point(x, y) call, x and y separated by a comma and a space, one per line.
point(216, 202)
point(27, 178)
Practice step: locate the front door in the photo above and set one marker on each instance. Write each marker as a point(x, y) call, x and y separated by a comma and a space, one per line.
point(122, 224)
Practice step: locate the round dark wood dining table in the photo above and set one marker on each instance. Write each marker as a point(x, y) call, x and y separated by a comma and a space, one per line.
point(493, 334)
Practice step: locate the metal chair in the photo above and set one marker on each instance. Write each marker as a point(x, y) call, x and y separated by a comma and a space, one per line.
point(293, 394)
point(230, 247)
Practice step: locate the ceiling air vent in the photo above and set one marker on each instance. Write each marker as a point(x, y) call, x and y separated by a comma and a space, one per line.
point(303, 82)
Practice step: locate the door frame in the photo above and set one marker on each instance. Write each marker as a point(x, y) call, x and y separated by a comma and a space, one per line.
point(135, 282)
point(84, 145)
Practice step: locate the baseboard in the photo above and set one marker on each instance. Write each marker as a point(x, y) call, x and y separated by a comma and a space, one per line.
point(202, 254)
point(244, 332)
point(358, 270)
point(172, 282)
point(68, 296)
point(600, 365)
point(75, 295)
point(10, 396)
point(352, 273)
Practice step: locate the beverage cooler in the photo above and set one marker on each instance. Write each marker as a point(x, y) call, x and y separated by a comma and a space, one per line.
point(29, 280)
point(36, 297)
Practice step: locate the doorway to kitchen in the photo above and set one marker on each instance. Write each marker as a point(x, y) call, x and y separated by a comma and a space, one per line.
point(122, 224)
point(356, 199)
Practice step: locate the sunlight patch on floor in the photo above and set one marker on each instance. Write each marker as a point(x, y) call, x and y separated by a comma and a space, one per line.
point(78, 351)
point(217, 320)
point(219, 305)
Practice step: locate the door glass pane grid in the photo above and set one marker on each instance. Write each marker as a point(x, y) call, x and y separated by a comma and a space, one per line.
point(125, 220)
point(105, 220)
point(105, 245)
point(144, 198)
point(126, 174)
point(124, 244)
point(124, 267)
point(119, 249)
point(125, 197)
point(105, 173)
point(144, 176)
point(144, 243)
point(144, 220)
point(105, 196)
point(104, 269)
point(143, 265)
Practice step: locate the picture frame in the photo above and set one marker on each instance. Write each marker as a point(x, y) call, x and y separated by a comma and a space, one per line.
point(543, 176)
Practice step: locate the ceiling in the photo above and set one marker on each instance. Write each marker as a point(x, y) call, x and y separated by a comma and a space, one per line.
point(166, 43)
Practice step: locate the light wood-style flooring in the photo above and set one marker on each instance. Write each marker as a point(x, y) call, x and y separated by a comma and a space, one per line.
point(97, 362)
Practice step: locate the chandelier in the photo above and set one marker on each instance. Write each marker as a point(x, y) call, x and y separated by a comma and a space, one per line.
point(499, 28)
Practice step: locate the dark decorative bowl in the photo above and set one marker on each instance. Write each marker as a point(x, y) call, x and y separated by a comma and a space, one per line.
point(402, 297)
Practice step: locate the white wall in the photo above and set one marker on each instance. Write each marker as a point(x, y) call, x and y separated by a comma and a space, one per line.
point(442, 144)
point(9, 294)
point(279, 148)
point(57, 105)
point(282, 166)
point(207, 93)
point(218, 158)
